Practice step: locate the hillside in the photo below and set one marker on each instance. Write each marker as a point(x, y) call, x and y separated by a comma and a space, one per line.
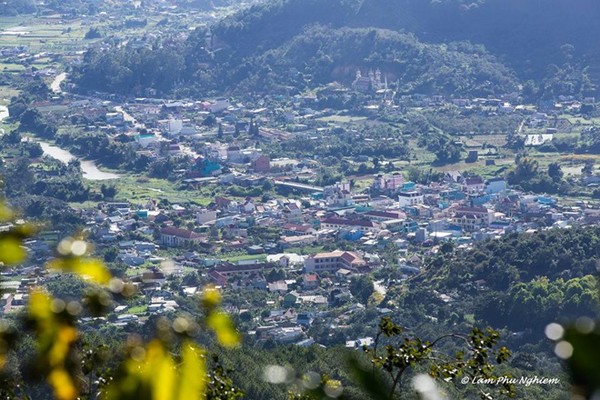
point(443, 47)
point(528, 34)
point(322, 55)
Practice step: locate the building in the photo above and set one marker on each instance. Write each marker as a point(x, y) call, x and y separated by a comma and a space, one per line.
point(382, 216)
point(261, 164)
point(176, 237)
point(389, 182)
point(344, 223)
point(473, 184)
point(470, 219)
point(408, 199)
point(204, 216)
point(372, 82)
point(334, 261)
point(220, 104)
point(228, 269)
point(174, 126)
point(297, 230)
point(310, 281)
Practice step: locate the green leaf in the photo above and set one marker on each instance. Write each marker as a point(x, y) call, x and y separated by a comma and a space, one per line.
point(88, 268)
point(192, 383)
point(11, 250)
point(223, 327)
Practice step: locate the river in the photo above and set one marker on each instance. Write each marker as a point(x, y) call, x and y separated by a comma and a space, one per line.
point(89, 168)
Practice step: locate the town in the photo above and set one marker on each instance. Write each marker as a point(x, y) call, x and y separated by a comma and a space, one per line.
point(334, 186)
point(270, 226)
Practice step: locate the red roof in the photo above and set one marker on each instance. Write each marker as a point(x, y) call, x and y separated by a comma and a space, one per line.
point(182, 233)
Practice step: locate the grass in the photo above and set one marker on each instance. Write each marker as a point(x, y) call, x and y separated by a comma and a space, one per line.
point(580, 120)
point(305, 250)
point(42, 33)
point(139, 189)
point(137, 309)
point(246, 257)
point(341, 119)
point(10, 67)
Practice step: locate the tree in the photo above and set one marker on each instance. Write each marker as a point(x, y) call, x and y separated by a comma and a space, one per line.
point(111, 253)
point(555, 172)
point(362, 288)
point(108, 191)
point(210, 120)
point(93, 33)
point(13, 137)
point(86, 286)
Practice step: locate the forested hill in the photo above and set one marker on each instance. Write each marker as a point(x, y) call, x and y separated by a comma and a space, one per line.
point(522, 281)
point(325, 54)
point(453, 47)
point(317, 56)
point(528, 34)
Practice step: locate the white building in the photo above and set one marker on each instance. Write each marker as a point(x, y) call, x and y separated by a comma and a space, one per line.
point(219, 105)
point(174, 126)
point(204, 216)
point(413, 198)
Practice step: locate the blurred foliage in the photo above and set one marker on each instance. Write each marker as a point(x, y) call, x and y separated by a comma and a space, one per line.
point(170, 366)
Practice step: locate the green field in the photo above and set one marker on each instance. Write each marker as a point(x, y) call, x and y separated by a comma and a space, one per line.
point(137, 309)
point(341, 119)
point(246, 257)
point(139, 189)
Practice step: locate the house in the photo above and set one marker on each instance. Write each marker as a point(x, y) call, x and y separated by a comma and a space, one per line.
point(279, 286)
point(204, 216)
point(218, 278)
point(334, 261)
point(453, 177)
point(344, 223)
point(381, 216)
point(261, 164)
point(410, 198)
point(248, 207)
point(177, 237)
point(287, 334)
point(292, 211)
point(256, 249)
point(310, 281)
point(297, 230)
point(153, 277)
point(473, 184)
point(222, 203)
point(470, 219)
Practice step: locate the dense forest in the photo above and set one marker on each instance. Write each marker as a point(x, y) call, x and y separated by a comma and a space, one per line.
point(522, 281)
point(522, 293)
point(16, 7)
point(442, 47)
point(499, 25)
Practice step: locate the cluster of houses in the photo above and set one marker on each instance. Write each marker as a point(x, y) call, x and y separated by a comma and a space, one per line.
point(303, 249)
point(414, 218)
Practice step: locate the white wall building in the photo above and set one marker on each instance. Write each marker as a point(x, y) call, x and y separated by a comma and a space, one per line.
point(413, 198)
